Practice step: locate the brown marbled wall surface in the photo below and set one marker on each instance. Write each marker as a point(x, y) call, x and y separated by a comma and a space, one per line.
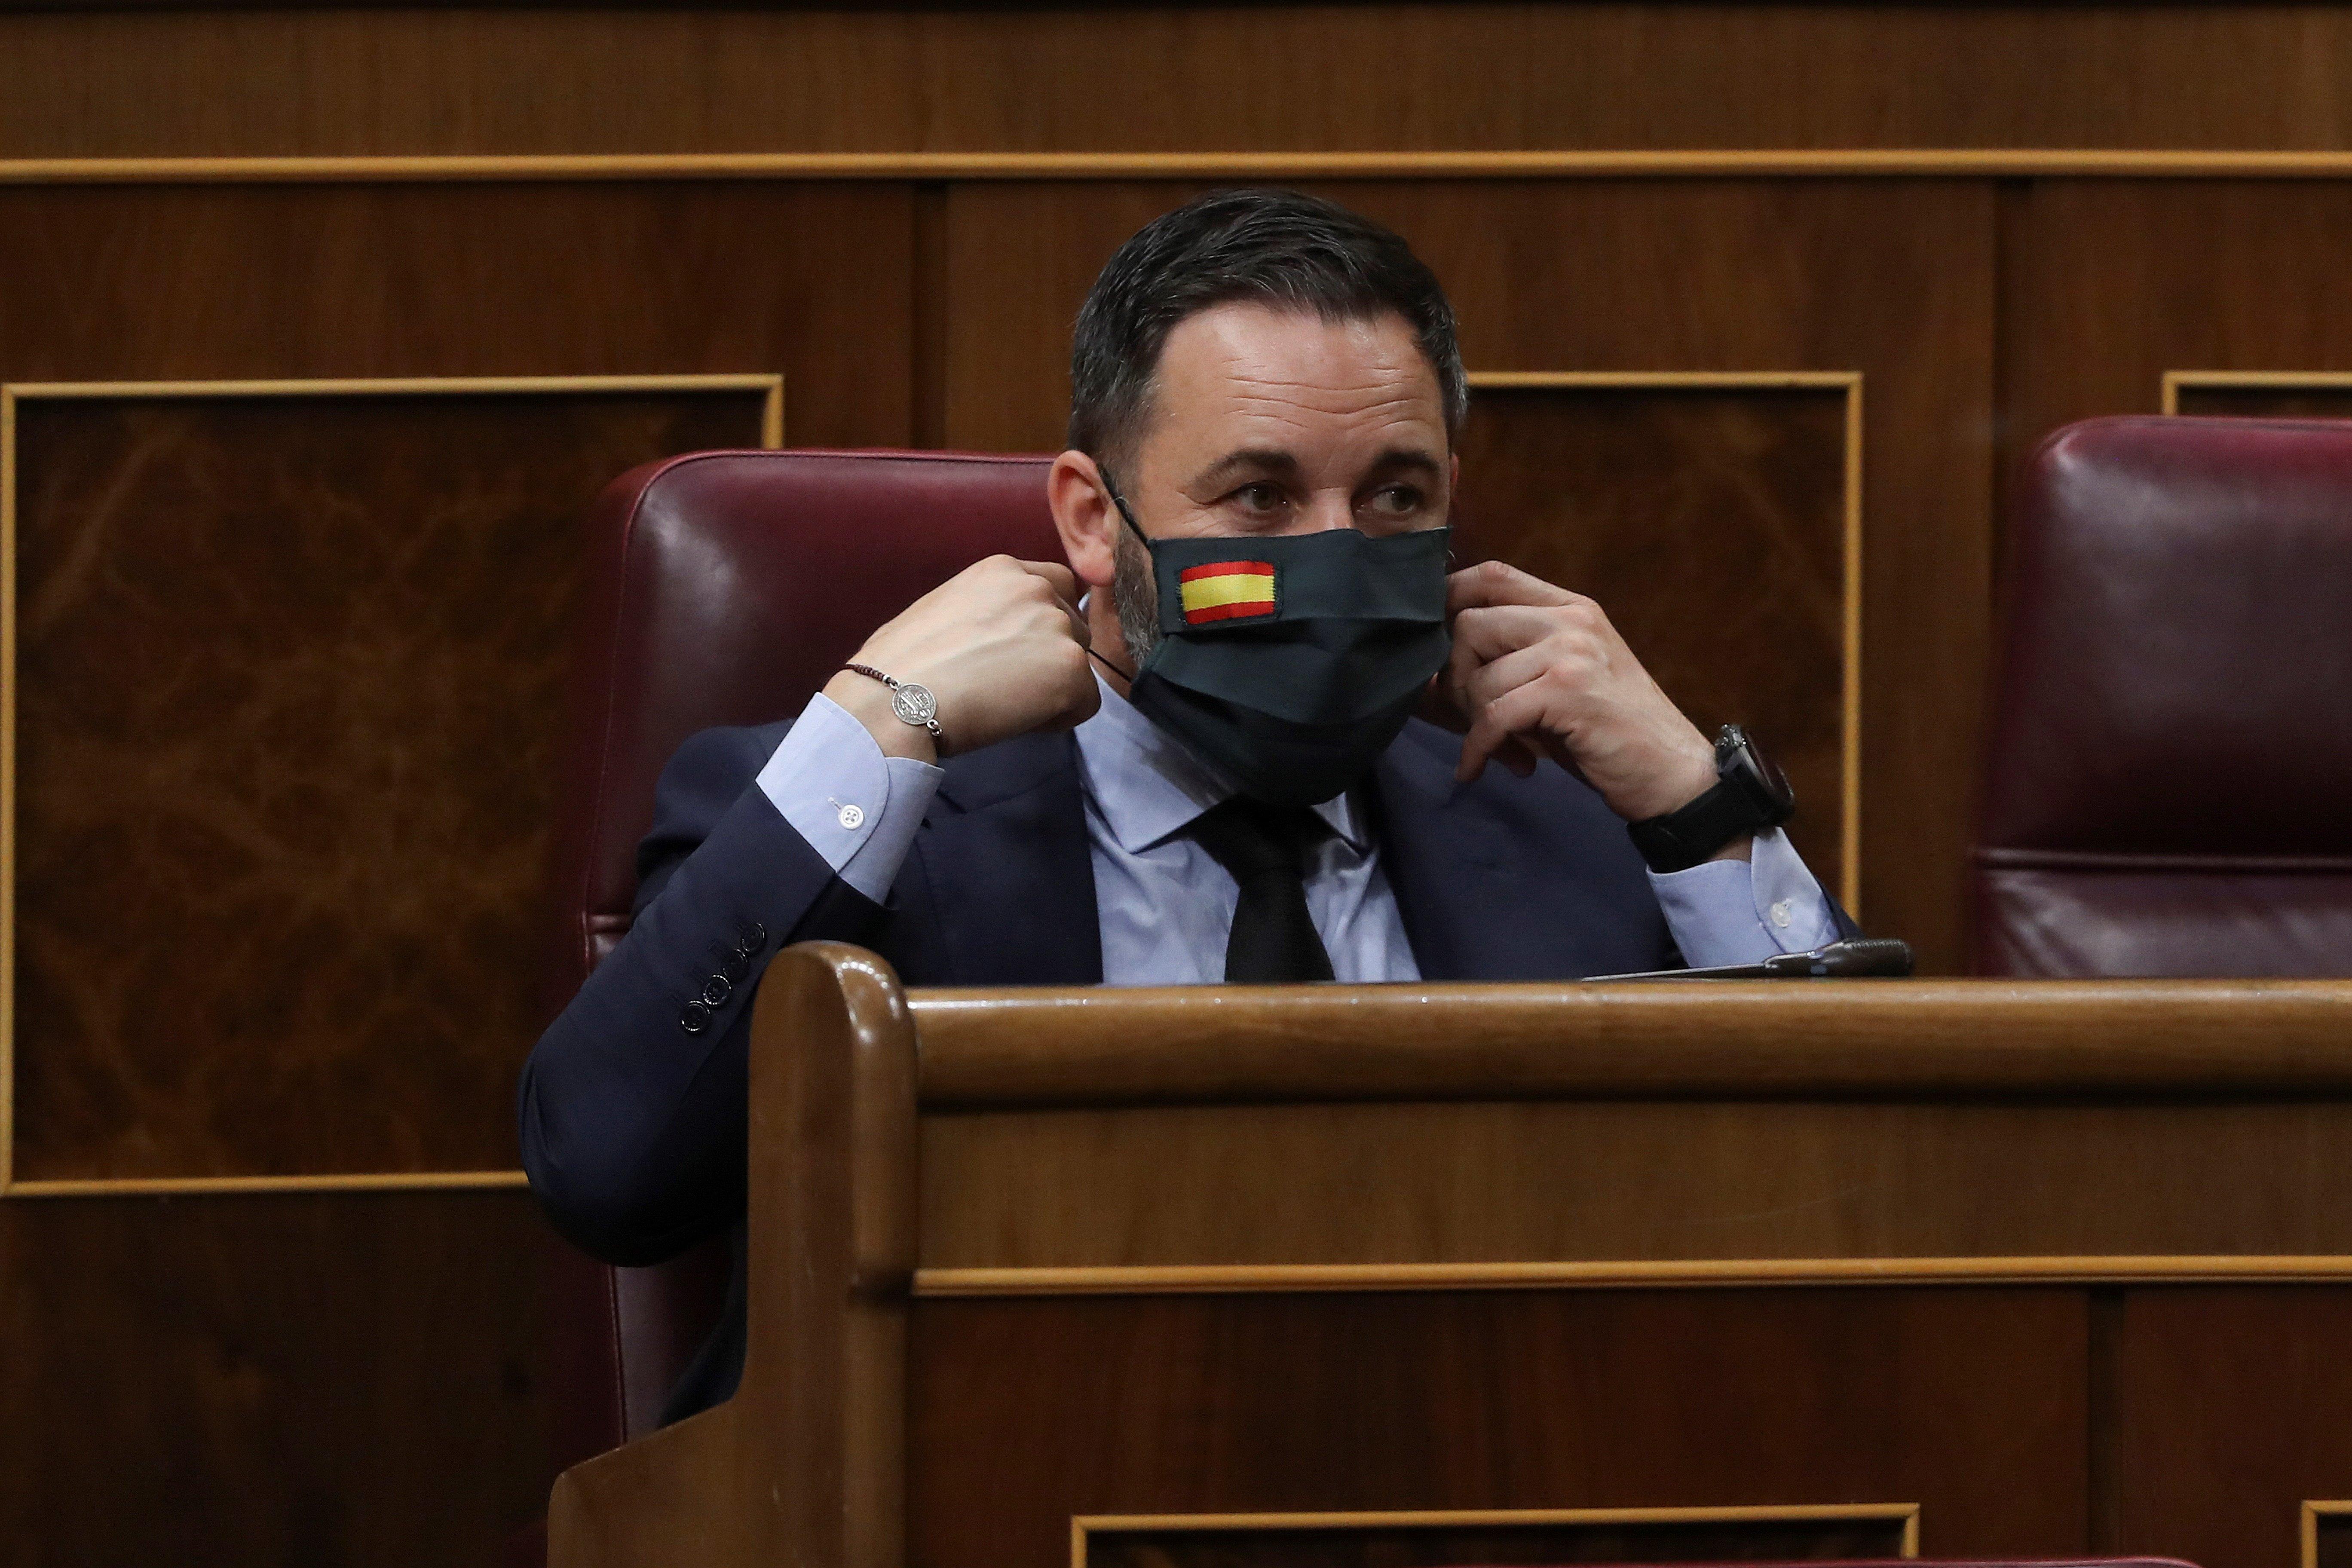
point(1710, 525)
point(290, 675)
point(323, 1379)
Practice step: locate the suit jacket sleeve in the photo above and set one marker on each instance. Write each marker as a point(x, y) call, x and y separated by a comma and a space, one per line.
point(633, 1128)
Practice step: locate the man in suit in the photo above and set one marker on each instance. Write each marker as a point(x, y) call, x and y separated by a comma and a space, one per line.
point(1188, 754)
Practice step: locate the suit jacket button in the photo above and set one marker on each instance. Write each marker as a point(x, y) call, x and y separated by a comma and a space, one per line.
point(755, 937)
point(694, 1018)
point(735, 966)
point(717, 989)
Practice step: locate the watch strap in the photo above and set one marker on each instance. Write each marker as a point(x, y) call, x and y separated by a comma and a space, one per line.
point(1690, 836)
point(1748, 798)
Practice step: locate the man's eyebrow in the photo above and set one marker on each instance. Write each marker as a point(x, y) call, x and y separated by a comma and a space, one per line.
point(1248, 459)
point(1274, 460)
point(1410, 459)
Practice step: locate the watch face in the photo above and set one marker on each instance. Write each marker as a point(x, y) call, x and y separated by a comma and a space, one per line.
point(1757, 772)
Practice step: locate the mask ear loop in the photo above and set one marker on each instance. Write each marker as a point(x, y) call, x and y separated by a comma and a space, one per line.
point(1110, 487)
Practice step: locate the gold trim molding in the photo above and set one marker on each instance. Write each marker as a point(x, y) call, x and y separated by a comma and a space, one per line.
point(1085, 1524)
point(1898, 163)
point(770, 384)
point(1849, 382)
point(1188, 1279)
point(2311, 1514)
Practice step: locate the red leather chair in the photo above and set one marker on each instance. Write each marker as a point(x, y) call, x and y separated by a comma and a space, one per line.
point(2168, 786)
point(724, 588)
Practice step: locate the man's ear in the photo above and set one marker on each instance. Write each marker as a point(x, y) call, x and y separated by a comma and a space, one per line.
point(1083, 516)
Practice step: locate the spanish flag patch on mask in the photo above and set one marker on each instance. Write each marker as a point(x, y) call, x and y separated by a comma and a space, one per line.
point(1226, 591)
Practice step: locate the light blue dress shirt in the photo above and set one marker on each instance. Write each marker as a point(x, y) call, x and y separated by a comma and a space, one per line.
point(1166, 907)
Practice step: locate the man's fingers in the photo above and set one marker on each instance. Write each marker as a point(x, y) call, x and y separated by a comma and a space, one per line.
point(1058, 578)
point(1482, 683)
point(1499, 583)
point(1085, 697)
point(1065, 585)
point(1490, 631)
point(1516, 711)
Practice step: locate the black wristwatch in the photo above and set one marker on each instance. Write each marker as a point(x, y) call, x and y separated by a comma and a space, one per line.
point(1750, 794)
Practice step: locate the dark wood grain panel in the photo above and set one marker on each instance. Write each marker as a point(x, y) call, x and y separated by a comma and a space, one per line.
point(2230, 1408)
point(1374, 1544)
point(1711, 522)
point(1585, 1181)
point(290, 690)
point(1891, 280)
point(230, 1381)
point(2108, 285)
point(235, 282)
point(1969, 1403)
point(953, 76)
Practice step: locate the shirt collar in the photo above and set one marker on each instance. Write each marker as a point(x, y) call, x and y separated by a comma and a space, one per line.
point(1150, 788)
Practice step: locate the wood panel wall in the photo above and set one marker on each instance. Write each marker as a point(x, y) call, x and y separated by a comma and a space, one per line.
point(1992, 220)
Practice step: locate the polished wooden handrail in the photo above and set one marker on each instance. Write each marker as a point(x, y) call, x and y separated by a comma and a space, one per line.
point(1671, 1040)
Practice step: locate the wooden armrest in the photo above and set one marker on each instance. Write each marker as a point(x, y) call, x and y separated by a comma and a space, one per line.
point(806, 1464)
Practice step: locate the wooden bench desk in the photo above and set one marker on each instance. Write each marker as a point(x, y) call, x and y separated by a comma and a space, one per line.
point(1397, 1274)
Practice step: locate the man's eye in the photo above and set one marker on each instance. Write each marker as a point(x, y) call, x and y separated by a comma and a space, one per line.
point(1259, 496)
point(1396, 499)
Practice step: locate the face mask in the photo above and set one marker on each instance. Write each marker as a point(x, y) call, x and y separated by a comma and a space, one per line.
point(1289, 663)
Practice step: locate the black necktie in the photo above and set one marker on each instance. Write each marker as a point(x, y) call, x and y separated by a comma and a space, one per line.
point(1264, 848)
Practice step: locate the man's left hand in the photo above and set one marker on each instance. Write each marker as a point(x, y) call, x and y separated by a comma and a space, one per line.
point(1537, 669)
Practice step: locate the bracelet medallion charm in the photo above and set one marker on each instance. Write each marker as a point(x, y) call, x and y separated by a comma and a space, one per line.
point(912, 703)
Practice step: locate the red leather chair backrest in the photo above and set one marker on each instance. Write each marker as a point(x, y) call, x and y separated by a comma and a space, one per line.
point(2170, 763)
point(723, 588)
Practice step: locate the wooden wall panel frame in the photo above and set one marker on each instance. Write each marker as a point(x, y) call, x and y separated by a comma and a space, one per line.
point(2311, 1514)
point(1907, 1513)
point(2177, 382)
point(1848, 382)
point(769, 384)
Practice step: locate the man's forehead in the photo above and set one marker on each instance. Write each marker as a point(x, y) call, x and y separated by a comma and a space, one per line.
point(1249, 364)
point(1296, 348)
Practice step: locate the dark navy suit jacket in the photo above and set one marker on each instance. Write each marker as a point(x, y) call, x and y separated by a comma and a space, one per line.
point(634, 1130)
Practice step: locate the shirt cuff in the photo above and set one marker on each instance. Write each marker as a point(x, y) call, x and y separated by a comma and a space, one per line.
point(857, 807)
point(1744, 912)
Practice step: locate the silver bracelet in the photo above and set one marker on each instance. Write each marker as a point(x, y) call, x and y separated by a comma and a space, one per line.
point(913, 704)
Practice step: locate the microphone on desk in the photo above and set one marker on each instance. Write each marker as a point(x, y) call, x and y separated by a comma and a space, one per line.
point(1856, 957)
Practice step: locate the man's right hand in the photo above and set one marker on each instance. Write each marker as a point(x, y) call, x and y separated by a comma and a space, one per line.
point(1001, 645)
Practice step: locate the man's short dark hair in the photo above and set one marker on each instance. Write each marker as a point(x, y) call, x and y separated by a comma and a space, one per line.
point(1279, 248)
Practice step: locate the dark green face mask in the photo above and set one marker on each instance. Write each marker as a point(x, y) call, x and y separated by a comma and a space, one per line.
point(1289, 663)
